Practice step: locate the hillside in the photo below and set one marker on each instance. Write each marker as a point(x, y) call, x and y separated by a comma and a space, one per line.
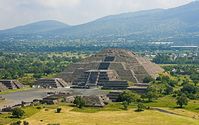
point(179, 24)
point(153, 23)
point(37, 27)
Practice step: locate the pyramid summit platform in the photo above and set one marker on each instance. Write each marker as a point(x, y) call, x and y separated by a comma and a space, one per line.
point(110, 68)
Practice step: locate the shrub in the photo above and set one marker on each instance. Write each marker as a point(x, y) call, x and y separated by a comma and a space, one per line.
point(16, 123)
point(25, 123)
point(140, 107)
point(79, 102)
point(38, 107)
point(17, 113)
point(58, 110)
point(148, 79)
point(125, 105)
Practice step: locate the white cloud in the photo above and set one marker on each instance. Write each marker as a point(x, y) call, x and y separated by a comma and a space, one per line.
point(58, 3)
point(17, 12)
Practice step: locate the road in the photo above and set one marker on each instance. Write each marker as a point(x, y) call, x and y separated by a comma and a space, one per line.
point(12, 99)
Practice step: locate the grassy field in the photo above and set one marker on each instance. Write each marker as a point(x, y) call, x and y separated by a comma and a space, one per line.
point(170, 102)
point(70, 117)
point(112, 114)
point(29, 111)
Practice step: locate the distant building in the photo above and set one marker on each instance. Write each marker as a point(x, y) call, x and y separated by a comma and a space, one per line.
point(139, 87)
point(113, 95)
point(50, 83)
point(95, 101)
point(11, 84)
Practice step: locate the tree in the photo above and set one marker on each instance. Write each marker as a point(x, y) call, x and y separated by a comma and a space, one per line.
point(148, 79)
point(125, 105)
point(188, 88)
point(151, 93)
point(195, 78)
point(17, 113)
point(190, 91)
point(182, 100)
point(140, 107)
point(79, 102)
point(129, 97)
point(37, 75)
point(168, 89)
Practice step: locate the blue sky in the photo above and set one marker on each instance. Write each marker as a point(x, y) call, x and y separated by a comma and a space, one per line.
point(73, 12)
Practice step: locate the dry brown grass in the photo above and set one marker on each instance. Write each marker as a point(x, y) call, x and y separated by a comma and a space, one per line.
point(148, 117)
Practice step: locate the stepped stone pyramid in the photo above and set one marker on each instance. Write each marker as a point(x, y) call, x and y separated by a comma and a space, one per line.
point(110, 68)
point(12, 84)
point(51, 83)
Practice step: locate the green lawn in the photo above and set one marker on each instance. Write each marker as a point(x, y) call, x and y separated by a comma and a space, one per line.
point(170, 102)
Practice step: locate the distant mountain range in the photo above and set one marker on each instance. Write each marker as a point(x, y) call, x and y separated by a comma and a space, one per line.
point(37, 27)
point(180, 23)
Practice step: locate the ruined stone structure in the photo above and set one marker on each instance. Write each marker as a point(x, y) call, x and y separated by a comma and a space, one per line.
point(113, 95)
point(10, 84)
point(51, 83)
point(111, 69)
point(95, 101)
point(139, 88)
point(2, 87)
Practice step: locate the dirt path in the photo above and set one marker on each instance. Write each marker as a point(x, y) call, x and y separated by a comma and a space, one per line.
point(194, 116)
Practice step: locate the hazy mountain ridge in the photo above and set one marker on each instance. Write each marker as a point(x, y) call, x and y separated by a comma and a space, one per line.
point(176, 22)
point(37, 27)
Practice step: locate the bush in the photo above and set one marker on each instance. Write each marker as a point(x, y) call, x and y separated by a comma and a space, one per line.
point(38, 107)
point(25, 123)
point(148, 79)
point(16, 123)
point(58, 110)
point(79, 102)
point(17, 113)
point(140, 107)
point(125, 105)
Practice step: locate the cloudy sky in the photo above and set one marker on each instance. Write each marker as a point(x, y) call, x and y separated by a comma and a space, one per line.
point(19, 12)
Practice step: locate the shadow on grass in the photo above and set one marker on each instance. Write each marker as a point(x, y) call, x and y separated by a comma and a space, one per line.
point(178, 107)
point(138, 110)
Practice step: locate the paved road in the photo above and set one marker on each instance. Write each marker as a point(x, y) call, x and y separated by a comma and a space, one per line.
point(29, 95)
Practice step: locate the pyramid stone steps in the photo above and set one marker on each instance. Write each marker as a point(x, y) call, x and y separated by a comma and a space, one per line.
point(12, 84)
point(51, 83)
